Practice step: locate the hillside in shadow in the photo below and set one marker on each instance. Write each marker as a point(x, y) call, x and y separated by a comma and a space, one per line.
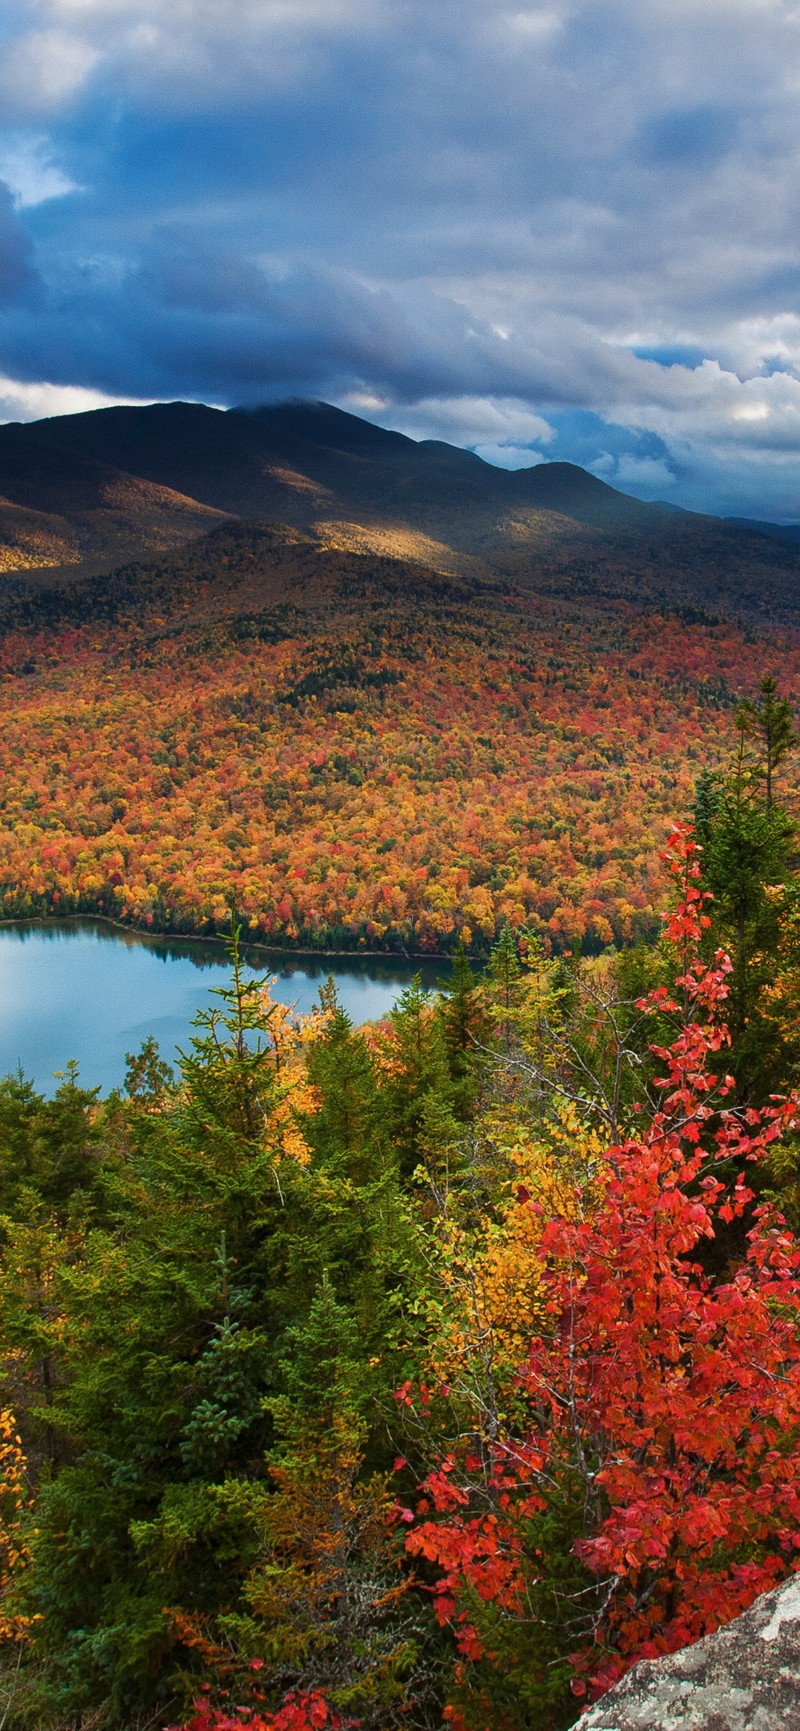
point(81, 494)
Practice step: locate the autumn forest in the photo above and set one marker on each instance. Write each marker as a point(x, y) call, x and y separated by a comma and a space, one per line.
point(430, 1372)
point(358, 752)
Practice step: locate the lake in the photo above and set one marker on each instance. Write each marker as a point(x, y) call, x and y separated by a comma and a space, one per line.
point(92, 992)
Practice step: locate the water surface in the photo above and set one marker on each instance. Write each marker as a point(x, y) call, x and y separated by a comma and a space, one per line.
point(89, 991)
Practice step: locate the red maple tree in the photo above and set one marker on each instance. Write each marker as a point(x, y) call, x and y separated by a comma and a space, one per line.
point(660, 1399)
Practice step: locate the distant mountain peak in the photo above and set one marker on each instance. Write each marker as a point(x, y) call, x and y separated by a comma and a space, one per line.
point(320, 423)
point(94, 490)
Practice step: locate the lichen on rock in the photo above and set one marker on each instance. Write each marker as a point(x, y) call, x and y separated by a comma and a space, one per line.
point(745, 1677)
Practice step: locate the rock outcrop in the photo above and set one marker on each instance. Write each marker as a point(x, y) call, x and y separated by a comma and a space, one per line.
point(746, 1677)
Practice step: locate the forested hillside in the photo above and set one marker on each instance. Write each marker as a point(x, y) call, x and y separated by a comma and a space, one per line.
point(360, 750)
point(77, 488)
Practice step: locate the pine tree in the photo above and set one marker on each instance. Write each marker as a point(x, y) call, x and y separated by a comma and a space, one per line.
point(326, 1600)
point(748, 844)
point(343, 1130)
point(229, 1070)
point(503, 973)
point(415, 1068)
point(769, 724)
point(466, 1031)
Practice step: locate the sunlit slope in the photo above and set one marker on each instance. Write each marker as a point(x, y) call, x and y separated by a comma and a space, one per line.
point(85, 492)
point(59, 507)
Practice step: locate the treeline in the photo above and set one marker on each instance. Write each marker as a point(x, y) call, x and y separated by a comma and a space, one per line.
point(430, 1372)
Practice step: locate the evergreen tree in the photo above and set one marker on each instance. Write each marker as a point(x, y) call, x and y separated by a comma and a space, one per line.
point(769, 724)
point(158, 1332)
point(328, 1609)
point(344, 1130)
point(466, 1032)
point(347, 1214)
point(415, 1069)
point(503, 974)
point(229, 1071)
point(50, 1150)
point(748, 846)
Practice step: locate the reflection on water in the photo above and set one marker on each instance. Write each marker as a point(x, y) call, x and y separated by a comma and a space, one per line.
point(92, 991)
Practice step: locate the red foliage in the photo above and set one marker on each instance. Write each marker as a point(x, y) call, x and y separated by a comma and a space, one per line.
point(670, 1397)
point(387, 777)
point(298, 1713)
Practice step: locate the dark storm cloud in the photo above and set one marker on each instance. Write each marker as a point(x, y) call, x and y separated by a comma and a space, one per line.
point(541, 229)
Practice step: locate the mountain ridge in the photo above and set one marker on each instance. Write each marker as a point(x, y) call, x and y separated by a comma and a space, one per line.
point(235, 461)
point(83, 494)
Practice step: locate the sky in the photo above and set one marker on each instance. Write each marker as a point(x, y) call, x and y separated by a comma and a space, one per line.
point(542, 230)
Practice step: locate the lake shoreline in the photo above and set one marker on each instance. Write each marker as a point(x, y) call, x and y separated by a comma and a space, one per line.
point(94, 990)
point(42, 921)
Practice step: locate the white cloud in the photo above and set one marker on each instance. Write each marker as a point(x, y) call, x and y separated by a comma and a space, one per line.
point(42, 72)
point(643, 473)
point(29, 168)
point(191, 52)
point(478, 422)
point(533, 23)
point(33, 402)
point(510, 456)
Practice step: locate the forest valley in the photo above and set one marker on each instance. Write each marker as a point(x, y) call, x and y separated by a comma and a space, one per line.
point(361, 752)
point(431, 1372)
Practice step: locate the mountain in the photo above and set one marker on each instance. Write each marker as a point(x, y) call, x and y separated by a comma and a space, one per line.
point(80, 494)
point(298, 463)
point(778, 531)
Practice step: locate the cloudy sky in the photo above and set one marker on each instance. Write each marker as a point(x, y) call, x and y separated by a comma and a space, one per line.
point(558, 229)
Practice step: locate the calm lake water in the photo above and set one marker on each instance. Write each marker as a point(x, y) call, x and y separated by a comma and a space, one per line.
point(91, 992)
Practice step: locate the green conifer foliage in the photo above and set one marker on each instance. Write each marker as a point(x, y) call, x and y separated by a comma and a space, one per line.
point(503, 974)
point(344, 1132)
point(328, 1606)
point(417, 1069)
point(51, 1149)
point(748, 841)
point(769, 724)
point(466, 1032)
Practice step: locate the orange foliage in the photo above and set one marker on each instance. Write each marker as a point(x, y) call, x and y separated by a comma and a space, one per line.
point(13, 1554)
point(381, 767)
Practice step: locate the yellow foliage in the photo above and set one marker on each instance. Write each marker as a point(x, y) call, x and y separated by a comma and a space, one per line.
point(295, 1097)
point(489, 1269)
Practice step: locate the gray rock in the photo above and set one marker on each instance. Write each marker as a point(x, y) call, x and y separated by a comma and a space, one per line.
point(746, 1677)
